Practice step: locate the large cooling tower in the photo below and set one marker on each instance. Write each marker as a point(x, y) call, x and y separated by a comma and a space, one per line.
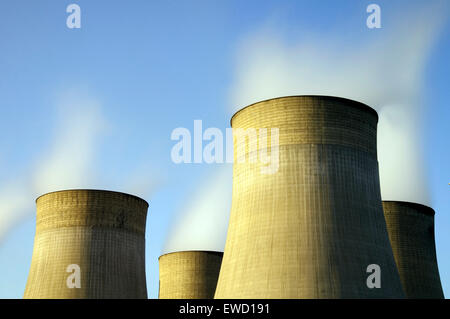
point(312, 228)
point(88, 244)
point(189, 274)
point(411, 231)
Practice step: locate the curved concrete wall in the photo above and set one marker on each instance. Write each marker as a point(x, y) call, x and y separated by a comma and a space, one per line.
point(411, 232)
point(311, 229)
point(102, 232)
point(189, 274)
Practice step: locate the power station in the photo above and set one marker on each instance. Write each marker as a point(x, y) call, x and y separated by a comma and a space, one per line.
point(411, 232)
point(88, 244)
point(311, 226)
point(189, 274)
point(311, 229)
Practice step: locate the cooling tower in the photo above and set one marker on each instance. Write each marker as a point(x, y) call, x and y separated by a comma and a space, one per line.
point(311, 228)
point(189, 274)
point(88, 244)
point(411, 231)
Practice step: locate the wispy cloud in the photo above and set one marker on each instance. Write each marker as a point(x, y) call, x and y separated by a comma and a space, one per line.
point(142, 180)
point(203, 222)
point(71, 161)
point(67, 163)
point(386, 73)
point(15, 204)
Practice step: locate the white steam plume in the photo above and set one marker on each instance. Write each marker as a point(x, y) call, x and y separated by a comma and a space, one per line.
point(386, 73)
point(14, 204)
point(203, 223)
point(66, 164)
point(70, 162)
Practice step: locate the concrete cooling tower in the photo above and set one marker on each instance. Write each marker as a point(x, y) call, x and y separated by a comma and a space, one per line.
point(189, 274)
point(88, 244)
point(311, 228)
point(411, 231)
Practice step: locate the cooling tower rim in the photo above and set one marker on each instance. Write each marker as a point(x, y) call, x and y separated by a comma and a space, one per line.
point(215, 252)
point(92, 190)
point(358, 104)
point(421, 208)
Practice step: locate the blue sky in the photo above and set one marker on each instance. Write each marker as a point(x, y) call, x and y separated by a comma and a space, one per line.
point(143, 68)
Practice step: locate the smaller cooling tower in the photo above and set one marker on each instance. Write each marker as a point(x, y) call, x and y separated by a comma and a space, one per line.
point(411, 232)
point(189, 274)
point(88, 244)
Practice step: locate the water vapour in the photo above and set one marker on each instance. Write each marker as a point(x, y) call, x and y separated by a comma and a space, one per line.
point(386, 73)
point(67, 163)
point(203, 223)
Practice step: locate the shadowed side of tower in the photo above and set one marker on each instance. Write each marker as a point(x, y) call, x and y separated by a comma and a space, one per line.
point(411, 232)
point(310, 229)
point(101, 232)
point(189, 274)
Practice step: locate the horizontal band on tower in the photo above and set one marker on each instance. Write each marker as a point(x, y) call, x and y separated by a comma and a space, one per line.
point(309, 120)
point(91, 208)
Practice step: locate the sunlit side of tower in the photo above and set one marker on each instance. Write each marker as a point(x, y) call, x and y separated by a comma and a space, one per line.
point(189, 274)
point(411, 232)
point(310, 229)
point(102, 233)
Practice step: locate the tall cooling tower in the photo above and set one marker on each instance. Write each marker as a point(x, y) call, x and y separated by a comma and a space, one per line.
point(88, 244)
point(411, 231)
point(312, 228)
point(189, 274)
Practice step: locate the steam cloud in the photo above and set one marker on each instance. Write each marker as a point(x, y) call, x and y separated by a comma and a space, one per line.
point(203, 224)
point(69, 162)
point(386, 73)
point(66, 164)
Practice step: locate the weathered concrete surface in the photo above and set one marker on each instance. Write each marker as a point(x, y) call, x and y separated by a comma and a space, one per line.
point(189, 274)
point(411, 232)
point(101, 231)
point(311, 229)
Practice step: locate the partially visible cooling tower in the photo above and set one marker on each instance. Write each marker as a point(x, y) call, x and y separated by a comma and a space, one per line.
point(102, 233)
point(189, 274)
point(411, 231)
point(311, 229)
